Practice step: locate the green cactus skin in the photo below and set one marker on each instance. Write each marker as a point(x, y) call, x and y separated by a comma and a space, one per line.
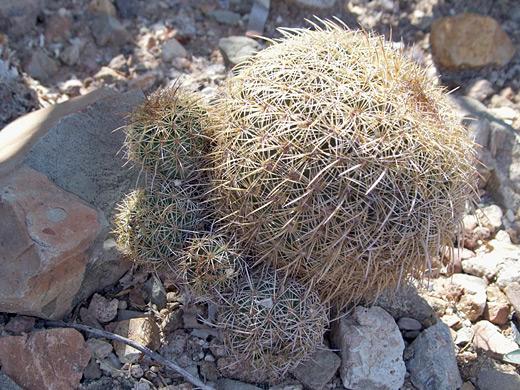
point(269, 326)
point(337, 160)
point(152, 225)
point(210, 266)
point(165, 134)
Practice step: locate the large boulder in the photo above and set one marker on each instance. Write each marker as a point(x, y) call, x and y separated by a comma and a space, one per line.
point(60, 179)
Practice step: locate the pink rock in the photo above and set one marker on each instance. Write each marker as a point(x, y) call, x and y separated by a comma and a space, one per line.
point(102, 309)
point(489, 339)
point(52, 359)
point(497, 313)
point(20, 324)
point(45, 233)
point(469, 39)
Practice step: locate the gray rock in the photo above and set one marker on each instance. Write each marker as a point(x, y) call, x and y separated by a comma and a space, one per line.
point(406, 302)
point(432, 363)
point(323, 4)
point(319, 370)
point(236, 49)
point(224, 16)
point(92, 371)
point(70, 55)
point(17, 17)
point(108, 30)
point(126, 8)
point(230, 384)
point(41, 66)
point(492, 380)
point(371, 349)
point(485, 265)
point(156, 292)
point(464, 336)
point(173, 49)
point(407, 323)
point(7, 383)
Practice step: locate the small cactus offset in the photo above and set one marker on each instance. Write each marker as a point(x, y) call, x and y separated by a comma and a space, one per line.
point(269, 326)
point(165, 135)
point(338, 161)
point(153, 224)
point(210, 266)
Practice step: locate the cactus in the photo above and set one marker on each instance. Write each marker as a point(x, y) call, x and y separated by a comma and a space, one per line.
point(336, 160)
point(270, 326)
point(210, 266)
point(152, 225)
point(165, 134)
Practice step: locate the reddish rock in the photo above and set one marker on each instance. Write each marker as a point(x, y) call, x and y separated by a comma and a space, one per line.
point(102, 309)
point(45, 235)
point(513, 295)
point(143, 331)
point(20, 324)
point(497, 313)
point(52, 359)
point(471, 40)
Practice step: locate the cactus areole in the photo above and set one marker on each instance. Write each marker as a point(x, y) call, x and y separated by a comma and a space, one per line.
point(337, 160)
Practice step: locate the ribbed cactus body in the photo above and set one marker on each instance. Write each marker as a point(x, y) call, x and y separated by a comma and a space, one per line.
point(337, 160)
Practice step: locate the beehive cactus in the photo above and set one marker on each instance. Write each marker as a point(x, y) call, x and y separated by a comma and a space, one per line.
point(338, 161)
point(270, 326)
point(152, 225)
point(165, 134)
point(210, 265)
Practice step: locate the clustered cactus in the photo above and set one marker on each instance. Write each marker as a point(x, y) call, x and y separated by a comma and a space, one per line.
point(328, 158)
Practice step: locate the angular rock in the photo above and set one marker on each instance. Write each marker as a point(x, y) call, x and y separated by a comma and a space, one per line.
point(77, 152)
point(41, 66)
point(224, 16)
point(406, 302)
point(17, 17)
point(173, 49)
point(513, 295)
point(489, 339)
point(7, 383)
point(323, 4)
point(480, 89)
point(432, 363)
point(469, 39)
point(230, 384)
point(20, 324)
point(371, 349)
point(102, 309)
point(46, 234)
point(156, 292)
point(485, 265)
point(108, 31)
point(143, 331)
point(100, 349)
point(464, 336)
point(490, 217)
point(53, 359)
point(473, 301)
point(497, 308)
point(493, 380)
point(236, 49)
point(316, 372)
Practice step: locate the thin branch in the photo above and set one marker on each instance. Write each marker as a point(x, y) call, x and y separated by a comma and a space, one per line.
point(155, 356)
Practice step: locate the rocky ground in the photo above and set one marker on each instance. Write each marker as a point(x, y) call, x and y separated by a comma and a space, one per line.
point(53, 51)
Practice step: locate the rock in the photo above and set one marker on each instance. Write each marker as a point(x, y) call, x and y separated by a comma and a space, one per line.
point(108, 31)
point(230, 384)
point(102, 309)
point(51, 359)
point(473, 301)
point(58, 27)
point(70, 55)
point(209, 371)
point(92, 371)
point(78, 153)
point(371, 349)
point(432, 363)
point(485, 265)
point(172, 49)
point(464, 336)
point(7, 383)
point(406, 302)
point(316, 372)
point(476, 237)
point(143, 331)
point(236, 49)
point(224, 16)
point(46, 234)
point(323, 4)
point(493, 379)
point(479, 89)
point(156, 292)
point(144, 81)
point(109, 75)
point(101, 8)
point(497, 308)
point(469, 39)
point(127, 8)
point(512, 291)
point(20, 324)
point(41, 66)
point(489, 339)
point(100, 349)
point(490, 217)
point(407, 323)
point(17, 17)
point(119, 63)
